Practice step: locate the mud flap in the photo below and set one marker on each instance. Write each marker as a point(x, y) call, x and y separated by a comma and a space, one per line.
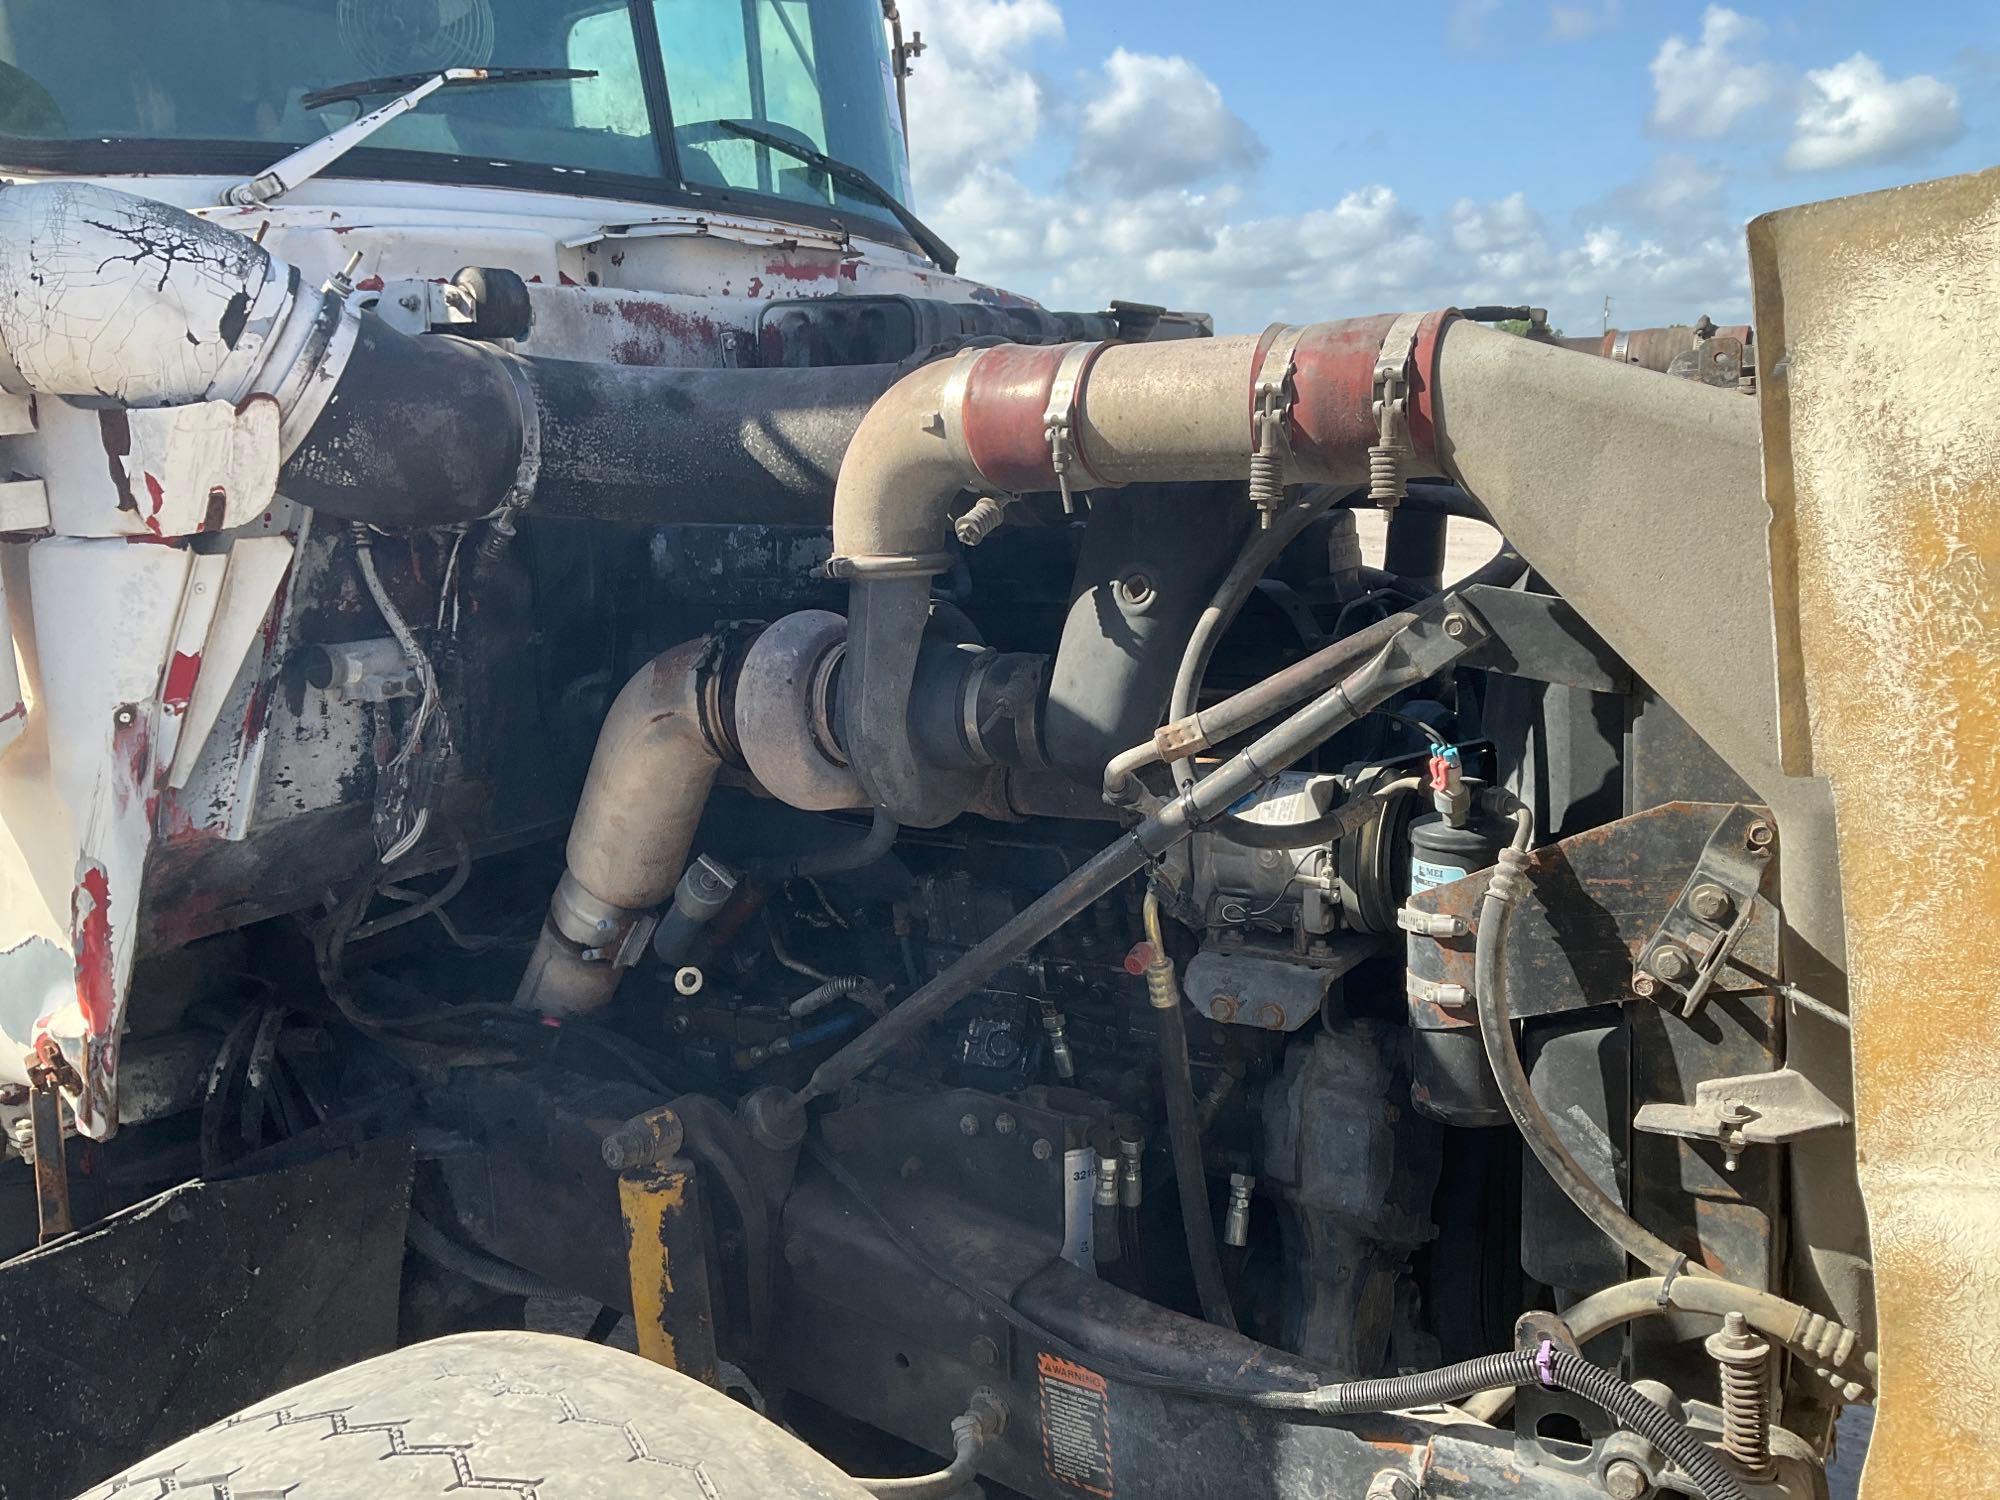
point(179, 1310)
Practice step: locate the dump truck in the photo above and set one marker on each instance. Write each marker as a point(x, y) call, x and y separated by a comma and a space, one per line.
point(651, 844)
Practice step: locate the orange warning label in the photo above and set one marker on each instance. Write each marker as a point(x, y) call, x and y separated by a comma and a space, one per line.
point(1076, 1426)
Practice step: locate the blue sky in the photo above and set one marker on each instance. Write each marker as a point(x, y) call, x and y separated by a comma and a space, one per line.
point(1307, 158)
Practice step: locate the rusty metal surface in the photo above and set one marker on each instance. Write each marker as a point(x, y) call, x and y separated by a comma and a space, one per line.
point(1882, 469)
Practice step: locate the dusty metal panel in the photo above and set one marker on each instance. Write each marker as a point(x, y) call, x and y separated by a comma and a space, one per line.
point(183, 1308)
point(1881, 411)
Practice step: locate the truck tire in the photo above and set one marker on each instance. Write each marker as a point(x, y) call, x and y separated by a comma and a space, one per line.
point(507, 1416)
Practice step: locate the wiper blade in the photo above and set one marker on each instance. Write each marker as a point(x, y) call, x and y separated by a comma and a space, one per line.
point(398, 83)
point(942, 255)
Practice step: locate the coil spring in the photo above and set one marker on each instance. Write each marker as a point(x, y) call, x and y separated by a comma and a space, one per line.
point(1386, 484)
point(1267, 477)
point(1744, 1361)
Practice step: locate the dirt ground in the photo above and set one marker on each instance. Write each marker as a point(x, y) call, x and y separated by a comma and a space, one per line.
point(1467, 543)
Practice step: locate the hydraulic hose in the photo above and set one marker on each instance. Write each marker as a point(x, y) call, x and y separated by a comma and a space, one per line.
point(1550, 1366)
point(1184, 1126)
point(1508, 886)
point(871, 846)
point(489, 1271)
point(1833, 1349)
point(984, 1420)
point(1263, 549)
point(854, 987)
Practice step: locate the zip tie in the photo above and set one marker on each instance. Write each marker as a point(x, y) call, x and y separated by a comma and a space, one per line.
point(1545, 1374)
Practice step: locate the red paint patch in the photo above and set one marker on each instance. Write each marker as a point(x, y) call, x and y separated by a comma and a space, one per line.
point(368, 284)
point(660, 335)
point(157, 494)
point(756, 287)
point(181, 673)
point(814, 270)
point(18, 711)
point(90, 940)
point(566, 279)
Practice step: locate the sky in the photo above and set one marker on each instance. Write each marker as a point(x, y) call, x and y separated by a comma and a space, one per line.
point(1303, 159)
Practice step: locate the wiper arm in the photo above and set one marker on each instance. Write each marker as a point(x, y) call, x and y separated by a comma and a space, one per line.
point(397, 83)
point(942, 255)
point(411, 89)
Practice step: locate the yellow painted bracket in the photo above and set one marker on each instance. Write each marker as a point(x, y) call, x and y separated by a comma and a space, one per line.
point(671, 1304)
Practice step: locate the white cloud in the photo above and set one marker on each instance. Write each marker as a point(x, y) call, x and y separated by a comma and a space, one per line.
point(1147, 190)
point(972, 95)
point(1851, 114)
point(1159, 122)
point(1574, 22)
point(1705, 89)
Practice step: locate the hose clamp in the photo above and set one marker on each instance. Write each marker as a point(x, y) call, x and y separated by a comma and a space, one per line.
point(528, 471)
point(1275, 389)
point(1388, 458)
point(1060, 419)
point(602, 932)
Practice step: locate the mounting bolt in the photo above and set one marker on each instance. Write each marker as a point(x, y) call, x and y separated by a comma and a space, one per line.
point(1711, 903)
point(985, 1353)
point(981, 521)
point(1625, 1480)
point(968, 1125)
point(1392, 1484)
point(1457, 626)
point(1671, 964)
point(1043, 1149)
point(1003, 1124)
point(1759, 835)
point(912, 1165)
point(1644, 985)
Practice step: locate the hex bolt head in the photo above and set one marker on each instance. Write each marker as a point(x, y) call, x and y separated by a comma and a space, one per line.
point(1711, 903)
point(1456, 626)
point(1671, 964)
point(1759, 835)
point(968, 1125)
point(1625, 1480)
point(1644, 985)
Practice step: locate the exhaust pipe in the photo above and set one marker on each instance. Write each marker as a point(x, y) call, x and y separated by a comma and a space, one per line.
point(121, 298)
point(657, 757)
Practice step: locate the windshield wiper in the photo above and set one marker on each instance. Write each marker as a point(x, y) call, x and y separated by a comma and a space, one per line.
point(942, 255)
point(397, 83)
point(410, 89)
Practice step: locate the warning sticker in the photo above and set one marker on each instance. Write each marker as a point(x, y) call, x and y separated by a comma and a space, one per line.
point(1076, 1426)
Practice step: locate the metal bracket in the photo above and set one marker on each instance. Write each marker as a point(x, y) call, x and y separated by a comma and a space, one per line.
point(48, 1076)
point(1752, 1109)
point(1059, 420)
point(1700, 930)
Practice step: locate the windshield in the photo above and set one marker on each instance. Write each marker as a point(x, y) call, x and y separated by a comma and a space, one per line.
point(234, 71)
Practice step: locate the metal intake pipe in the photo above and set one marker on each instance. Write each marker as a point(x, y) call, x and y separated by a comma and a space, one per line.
point(1078, 417)
point(1595, 470)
